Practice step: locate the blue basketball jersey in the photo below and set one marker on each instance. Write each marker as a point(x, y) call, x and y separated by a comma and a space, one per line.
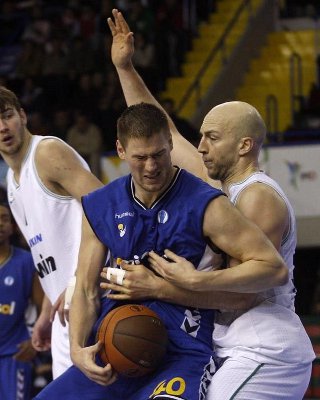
point(16, 277)
point(130, 230)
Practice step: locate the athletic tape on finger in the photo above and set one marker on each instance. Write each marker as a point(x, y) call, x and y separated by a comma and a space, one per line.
point(118, 273)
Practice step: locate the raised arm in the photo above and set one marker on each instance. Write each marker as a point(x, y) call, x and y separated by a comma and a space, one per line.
point(135, 91)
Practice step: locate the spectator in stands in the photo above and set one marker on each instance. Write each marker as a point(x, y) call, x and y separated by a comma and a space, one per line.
point(80, 58)
point(86, 138)
point(70, 24)
point(30, 60)
point(141, 18)
point(37, 123)
point(12, 23)
point(85, 95)
point(144, 60)
point(55, 58)
point(170, 37)
point(61, 123)
point(39, 28)
point(31, 95)
point(87, 22)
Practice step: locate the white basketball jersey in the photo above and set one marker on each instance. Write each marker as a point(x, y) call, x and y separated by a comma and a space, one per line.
point(271, 331)
point(50, 223)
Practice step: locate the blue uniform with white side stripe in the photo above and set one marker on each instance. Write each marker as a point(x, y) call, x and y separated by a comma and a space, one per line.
point(16, 276)
point(130, 230)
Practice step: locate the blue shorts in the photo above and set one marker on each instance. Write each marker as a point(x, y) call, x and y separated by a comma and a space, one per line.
point(177, 378)
point(15, 379)
point(183, 374)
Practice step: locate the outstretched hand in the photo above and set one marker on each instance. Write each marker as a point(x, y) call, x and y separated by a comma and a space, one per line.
point(122, 44)
point(174, 269)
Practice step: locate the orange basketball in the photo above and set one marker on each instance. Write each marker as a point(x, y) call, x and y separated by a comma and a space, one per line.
point(134, 338)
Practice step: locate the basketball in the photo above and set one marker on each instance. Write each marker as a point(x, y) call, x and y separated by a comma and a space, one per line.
point(134, 340)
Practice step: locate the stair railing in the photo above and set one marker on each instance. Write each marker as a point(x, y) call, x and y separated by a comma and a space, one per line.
point(296, 84)
point(272, 115)
point(195, 86)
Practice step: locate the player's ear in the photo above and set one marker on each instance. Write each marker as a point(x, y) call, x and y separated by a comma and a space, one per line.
point(23, 116)
point(245, 145)
point(120, 150)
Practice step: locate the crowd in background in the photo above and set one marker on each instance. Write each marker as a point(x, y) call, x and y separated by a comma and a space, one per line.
point(56, 56)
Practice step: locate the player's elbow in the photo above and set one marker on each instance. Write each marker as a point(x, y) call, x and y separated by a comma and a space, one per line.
point(281, 276)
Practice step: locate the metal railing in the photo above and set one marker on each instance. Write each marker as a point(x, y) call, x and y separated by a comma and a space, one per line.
point(220, 47)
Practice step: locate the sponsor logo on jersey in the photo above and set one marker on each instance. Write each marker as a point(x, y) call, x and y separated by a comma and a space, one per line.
point(35, 240)
point(45, 266)
point(124, 214)
point(163, 216)
point(122, 229)
point(135, 260)
point(9, 280)
point(7, 309)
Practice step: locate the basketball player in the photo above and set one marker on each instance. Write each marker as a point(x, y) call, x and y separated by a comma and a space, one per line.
point(46, 179)
point(264, 353)
point(18, 285)
point(156, 206)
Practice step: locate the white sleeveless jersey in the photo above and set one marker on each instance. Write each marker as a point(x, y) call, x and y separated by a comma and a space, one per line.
point(272, 331)
point(50, 223)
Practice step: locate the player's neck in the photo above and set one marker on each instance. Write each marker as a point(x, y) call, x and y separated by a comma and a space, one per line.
point(15, 161)
point(239, 175)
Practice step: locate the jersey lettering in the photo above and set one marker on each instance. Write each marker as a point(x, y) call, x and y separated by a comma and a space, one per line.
point(46, 266)
point(36, 239)
point(175, 387)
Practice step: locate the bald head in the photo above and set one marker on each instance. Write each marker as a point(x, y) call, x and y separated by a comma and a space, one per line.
point(238, 119)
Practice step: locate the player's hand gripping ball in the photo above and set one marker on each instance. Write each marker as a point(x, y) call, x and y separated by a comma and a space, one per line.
point(134, 338)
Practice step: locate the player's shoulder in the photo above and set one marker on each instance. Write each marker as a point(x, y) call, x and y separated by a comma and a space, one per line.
point(259, 195)
point(54, 156)
point(109, 191)
point(22, 256)
point(21, 252)
point(258, 190)
point(48, 144)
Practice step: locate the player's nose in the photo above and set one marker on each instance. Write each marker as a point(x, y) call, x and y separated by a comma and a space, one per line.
point(3, 125)
point(151, 164)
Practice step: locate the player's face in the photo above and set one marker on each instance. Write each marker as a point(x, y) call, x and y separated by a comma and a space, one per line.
point(12, 130)
point(6, 227)
point(149, 161)
point(219, 149)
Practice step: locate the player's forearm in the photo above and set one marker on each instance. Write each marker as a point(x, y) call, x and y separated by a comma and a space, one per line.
point(209, 300)
point(241, 279)
point(83, 314)
point(45, 308)
point(134, 88)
